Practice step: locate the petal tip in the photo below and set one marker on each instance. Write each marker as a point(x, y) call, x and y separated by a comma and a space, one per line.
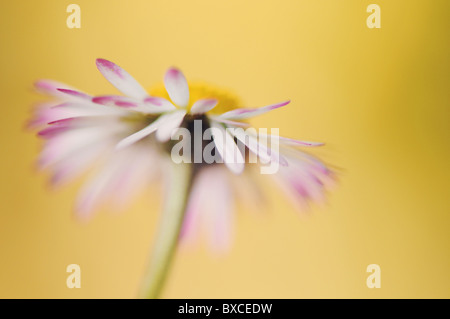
point(283, 103)
point(177, 86)
point(106, 65)
point(103, 62)
point(173, 70)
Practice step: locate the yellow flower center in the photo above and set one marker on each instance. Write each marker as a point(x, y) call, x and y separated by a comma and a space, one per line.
point(227, 100)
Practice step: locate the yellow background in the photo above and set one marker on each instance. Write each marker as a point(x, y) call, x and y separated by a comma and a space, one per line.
point(379, 98)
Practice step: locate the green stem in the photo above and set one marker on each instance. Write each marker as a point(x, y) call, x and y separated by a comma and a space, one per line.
point(168, 230)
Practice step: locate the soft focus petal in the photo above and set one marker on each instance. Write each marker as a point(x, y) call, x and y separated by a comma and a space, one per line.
point(93, 193)
point(191, 223)
point(305, 179)
point(65, 144)
point(210, 209)
point(77, 163)
point(51, 87)
point(219, 210)
point(138, 168)
point(177, 87)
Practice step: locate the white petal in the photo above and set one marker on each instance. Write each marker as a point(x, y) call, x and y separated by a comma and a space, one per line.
point(245, 113)
point(229, 122)
point(133, 138)
point(290, 141)
point(71, 110)
point(227, 148)
point(169, 122)
point(203, 106)
point(123, 81)
point(260, 149)
point(177, 87)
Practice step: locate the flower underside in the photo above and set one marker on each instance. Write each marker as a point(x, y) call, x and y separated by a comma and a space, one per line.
point(129, 139)
point(130, 136)
point(226, 101)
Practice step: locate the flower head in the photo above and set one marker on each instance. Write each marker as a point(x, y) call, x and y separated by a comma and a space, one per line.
point(126, 135)
point(130, 138)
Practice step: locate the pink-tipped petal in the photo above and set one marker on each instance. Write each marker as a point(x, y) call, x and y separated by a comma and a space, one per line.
point(305, 179)
point(51, 87)
point(134, 104)
point(40, 116)
point(123, 81)
point(291, 141)
point(52, 131)
point(114, 100)
point(245, 113)
point(159, 104)
point(125, 104)
point(177, 87)
point(86, 121)
point(75, 94)
point(203, 106)
point(229, 122)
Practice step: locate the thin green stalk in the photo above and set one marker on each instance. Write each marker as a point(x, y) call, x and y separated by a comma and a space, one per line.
point(168, 231)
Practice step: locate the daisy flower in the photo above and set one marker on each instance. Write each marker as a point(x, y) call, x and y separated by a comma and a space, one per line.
point(138, 137)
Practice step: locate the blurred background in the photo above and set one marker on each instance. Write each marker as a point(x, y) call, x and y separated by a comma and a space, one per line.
point(379, 98)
